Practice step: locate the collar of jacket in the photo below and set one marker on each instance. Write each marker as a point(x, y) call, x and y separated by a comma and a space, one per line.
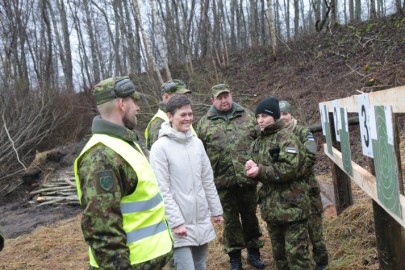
point(235, 111)
point(273, 128)
point(168, 131)
point(290, 125)
point(101, 126)
point(162, 106)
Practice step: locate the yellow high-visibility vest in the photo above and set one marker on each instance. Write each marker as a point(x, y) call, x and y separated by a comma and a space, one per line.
point(144, 220)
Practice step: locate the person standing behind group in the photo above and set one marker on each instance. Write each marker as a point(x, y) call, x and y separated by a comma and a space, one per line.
point(277, 157)
point(168, 90)
point(123, 219)
point(315, 230)
point(227, 130)
point(186, 181)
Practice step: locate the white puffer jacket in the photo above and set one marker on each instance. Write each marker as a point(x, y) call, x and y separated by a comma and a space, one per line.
point(186, 181)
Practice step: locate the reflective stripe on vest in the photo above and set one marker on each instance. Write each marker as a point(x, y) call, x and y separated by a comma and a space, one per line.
point(162, 115)
point(144, 221)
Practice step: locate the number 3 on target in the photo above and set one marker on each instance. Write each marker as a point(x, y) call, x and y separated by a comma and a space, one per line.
point(366, 122)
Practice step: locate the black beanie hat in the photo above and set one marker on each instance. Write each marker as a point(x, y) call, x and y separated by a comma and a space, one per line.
point(269, 106)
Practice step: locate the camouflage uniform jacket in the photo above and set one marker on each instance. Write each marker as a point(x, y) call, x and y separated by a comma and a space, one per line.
point(227, 138)
point(154, 127)
point(102, 217)
point(283, 196)
point(307, 139)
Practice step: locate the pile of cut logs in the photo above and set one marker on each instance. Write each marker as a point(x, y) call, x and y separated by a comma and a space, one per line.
point(59, 189)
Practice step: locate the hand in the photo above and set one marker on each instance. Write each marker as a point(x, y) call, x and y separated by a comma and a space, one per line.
point(252, 172)
point(249, 164)
point(180, 231)
point(218, 219)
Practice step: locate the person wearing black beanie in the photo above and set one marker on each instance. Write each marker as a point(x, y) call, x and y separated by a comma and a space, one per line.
point(276, 161)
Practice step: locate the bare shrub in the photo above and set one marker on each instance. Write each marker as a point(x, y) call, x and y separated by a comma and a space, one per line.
point(39, 121)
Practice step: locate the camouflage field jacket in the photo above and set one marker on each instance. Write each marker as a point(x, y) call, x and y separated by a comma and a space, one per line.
point(227, 138)
point(283, 196)
point(307, 139)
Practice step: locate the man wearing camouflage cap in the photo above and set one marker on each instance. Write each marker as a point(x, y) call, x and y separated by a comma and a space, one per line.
point(123, 220)
point(169, 89)
point(315, 229)
point(227, 130)
point(277, 158)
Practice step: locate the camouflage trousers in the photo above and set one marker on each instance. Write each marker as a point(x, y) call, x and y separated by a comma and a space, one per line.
point(241, 226)
point(289, 243)
point(154, 264)
point(315, 230)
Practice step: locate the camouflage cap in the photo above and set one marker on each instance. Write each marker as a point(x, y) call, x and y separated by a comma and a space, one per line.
point(175, 86)
point(285, 106)
point(219, 88)
point(115, 87)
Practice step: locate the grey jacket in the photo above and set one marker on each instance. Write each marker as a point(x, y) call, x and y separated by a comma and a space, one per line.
point(186, 181)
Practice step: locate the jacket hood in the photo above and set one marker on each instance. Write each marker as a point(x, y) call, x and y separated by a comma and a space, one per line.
point(167, 130)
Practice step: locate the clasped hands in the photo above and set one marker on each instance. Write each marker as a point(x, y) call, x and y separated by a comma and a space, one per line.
point(251, 169)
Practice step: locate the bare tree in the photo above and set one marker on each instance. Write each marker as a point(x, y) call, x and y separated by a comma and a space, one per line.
point(157, 29)
point(254, 23)
point(92, 40)
point(296, 18)
point(398, 6)
point(357, 10)
point(272, 28)
point(86, 75)
point(287, 18)
point(373, 11)
point(62, 40)
point(150, 63)
point(205, 27)
point(234, 6)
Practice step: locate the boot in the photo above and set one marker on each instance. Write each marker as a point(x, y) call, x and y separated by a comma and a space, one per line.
point(235, 260)
point(254, 258)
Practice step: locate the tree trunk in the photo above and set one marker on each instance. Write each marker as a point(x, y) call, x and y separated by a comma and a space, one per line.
point(358, 10)
point(287, 18)
point(351, 10)
point(373, 12)
point(93, 46)
point(272, 28)
point(205, 27)
point(159, 39)
point(296, 18)
point(254, 23)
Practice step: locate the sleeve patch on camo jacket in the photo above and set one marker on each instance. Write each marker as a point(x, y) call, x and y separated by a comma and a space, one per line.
point(291, 149)
point(105, 181)
point(310, 137)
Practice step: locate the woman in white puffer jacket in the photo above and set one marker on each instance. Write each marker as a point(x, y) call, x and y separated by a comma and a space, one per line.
point(186, 181)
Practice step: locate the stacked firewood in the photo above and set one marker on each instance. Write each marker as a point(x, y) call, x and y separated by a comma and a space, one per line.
point(58, 189)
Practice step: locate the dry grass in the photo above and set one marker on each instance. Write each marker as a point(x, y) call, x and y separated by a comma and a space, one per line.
point(59, 246)
point(350, 238)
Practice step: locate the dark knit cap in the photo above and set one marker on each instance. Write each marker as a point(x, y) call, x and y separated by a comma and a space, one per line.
point(269, 106)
